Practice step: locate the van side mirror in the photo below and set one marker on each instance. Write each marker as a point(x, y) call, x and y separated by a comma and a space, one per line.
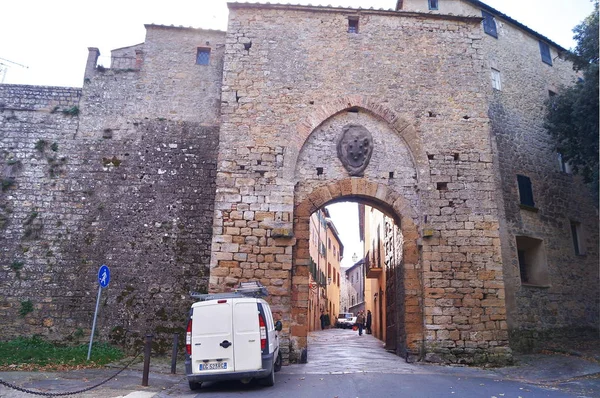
point(278, 326)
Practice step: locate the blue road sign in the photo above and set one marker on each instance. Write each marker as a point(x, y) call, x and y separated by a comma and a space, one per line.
point(103, 276)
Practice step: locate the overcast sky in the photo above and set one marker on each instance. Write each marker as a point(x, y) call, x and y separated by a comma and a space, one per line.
point(51, 37)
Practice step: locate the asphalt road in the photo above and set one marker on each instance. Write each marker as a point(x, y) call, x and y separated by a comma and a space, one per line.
point(342, 364)
point(368, 385)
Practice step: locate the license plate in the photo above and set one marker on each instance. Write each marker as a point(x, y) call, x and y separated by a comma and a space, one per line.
point(213, 365)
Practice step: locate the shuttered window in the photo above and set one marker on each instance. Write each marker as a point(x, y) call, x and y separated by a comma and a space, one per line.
point(525, 191)
point(577, 238)
point(496, 82)
point(545, 51)
point(433, 4)
point(489, 24)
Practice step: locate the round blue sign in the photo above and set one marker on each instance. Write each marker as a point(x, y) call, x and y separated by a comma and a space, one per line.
point(103, 276)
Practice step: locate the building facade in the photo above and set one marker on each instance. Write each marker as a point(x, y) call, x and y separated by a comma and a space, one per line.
point(196, 161)
point(326, 251)
point(335, 253)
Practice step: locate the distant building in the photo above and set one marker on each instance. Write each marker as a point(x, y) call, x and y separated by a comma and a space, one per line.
point(326, 251)
point(355, 277)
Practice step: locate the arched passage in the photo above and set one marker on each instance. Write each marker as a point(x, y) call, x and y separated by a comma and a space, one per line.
point(409, 291)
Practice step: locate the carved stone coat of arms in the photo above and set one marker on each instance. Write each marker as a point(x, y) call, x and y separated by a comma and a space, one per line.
point(354, 148)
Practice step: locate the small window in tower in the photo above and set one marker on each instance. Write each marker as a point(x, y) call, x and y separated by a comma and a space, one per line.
point(525, 191)
point(489, 24)
point(496, 82)
point(576, 236)
point(203, 56)
point(352, 24)
point(545, 51)
point(433, 4)
point(564, 166)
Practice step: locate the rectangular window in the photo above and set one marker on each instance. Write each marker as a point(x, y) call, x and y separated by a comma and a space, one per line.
point(576, 235)
point(203, 56)
point(433, 4)
point(489, 24)
point(564, 166)
point(532, 261)
point(352, 24)
point(496, 83)
point(545, 51)
point(525, 191)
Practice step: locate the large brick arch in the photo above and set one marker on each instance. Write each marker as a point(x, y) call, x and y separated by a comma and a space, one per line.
point(332, 107)
point(388, 201)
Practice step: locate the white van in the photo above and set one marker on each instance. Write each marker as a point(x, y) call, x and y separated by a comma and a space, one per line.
point(232, 336)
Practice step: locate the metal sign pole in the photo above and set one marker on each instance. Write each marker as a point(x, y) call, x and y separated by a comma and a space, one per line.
point(94, 323)
point(103, 280)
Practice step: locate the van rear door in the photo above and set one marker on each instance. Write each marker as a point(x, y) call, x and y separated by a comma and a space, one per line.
point(212, 337)
point(246, 331)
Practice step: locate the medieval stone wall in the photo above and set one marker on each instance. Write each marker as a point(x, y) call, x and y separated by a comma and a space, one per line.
point(38, 208)
point(107, 175)
point(569, 300)
point(283, 86)
point(169, 85)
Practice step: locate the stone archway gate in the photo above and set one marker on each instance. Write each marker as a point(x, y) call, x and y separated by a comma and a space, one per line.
point(282, 110)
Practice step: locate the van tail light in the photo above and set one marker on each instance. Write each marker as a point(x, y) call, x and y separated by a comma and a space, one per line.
point(188, 338)
point(263, 332)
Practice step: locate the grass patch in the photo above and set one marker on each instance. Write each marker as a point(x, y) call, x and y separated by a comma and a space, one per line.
point(26, 308)
point(72, 111)
point(40, 145)
point(34, 353)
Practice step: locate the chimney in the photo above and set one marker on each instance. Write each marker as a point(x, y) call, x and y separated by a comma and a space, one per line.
point(90, 66)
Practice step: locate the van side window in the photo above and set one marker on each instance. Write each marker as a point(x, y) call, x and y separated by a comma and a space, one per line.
point(269, 316)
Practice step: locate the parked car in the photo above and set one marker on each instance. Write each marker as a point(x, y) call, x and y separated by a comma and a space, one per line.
point(232, 336)
point(345, 320)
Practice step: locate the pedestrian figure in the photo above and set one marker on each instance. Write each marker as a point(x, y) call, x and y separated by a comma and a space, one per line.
point(360, 322)
point(368, 324)
point(323, 319)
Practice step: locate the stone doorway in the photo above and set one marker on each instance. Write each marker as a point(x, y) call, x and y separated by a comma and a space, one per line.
point(403, 293)
point(359, 151)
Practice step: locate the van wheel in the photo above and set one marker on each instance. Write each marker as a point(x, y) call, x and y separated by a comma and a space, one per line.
point(195, 386)
point(278, 361)
point(269, 381)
